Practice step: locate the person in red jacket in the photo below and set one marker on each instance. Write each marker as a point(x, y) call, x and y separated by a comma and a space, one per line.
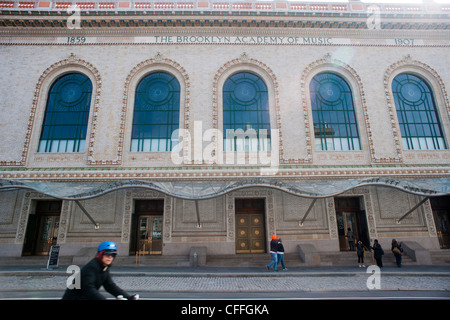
point(96, 274)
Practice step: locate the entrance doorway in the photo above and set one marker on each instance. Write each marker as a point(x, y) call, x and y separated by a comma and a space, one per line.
point(147, 230)
point(250, 226)
point(42, 229)
point(350, 216)
point(441, 214)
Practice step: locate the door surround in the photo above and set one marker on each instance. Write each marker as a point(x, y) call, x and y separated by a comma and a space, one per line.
point(230, 198)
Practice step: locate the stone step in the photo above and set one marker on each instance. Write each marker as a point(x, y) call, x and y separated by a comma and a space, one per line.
point(249, 260)
point(440, 257)
point(153, 260)
point(32, 261)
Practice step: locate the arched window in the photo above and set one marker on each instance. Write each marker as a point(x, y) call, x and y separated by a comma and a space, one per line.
point(66, 115)
point(156, 113)
point(335, 125)
point(246, 119)
point(417, 115)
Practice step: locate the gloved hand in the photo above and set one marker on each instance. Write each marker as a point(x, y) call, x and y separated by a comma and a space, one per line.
point(133, 297)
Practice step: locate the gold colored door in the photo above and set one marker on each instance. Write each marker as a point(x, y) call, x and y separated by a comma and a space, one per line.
point(48, 234)
point(250, 226)
point(350, 215)
point(149, 238)
point(442, 221)
point(346, 220)
point(441, 214)
point(250, 233)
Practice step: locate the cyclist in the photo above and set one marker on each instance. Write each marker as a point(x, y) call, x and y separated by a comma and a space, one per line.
point(96, 274)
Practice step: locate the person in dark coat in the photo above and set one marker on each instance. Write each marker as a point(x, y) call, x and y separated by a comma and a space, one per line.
point(96, 274)
point(360, 253)
point(378, 253)
point(280, 254)
point(397, 250)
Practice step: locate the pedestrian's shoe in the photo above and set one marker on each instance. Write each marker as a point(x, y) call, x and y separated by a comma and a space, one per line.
point(267, 267)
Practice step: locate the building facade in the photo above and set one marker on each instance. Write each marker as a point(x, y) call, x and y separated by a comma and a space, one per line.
point(164, 126)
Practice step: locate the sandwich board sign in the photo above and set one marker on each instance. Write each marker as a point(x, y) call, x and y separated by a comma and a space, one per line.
point(53, 257)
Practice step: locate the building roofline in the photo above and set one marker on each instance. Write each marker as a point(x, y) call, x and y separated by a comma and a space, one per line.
point(229, 6)
point(307, 15)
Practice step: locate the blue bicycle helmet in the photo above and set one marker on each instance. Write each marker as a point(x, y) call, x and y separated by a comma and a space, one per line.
point(107, 246)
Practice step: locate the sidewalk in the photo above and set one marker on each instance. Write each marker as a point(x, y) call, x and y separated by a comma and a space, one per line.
point(242, 279)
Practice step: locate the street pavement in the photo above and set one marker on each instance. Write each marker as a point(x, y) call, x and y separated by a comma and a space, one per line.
point(239, 280)
point(239, 292)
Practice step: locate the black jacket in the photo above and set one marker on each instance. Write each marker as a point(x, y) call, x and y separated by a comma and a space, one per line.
point(377, 251)
point(93, 276)
point(280, 247)
point(274, 246)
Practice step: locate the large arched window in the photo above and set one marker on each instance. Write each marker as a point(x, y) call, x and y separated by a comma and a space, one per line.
point(156, 113)
point(417, 115)
point(246, 119)
point(66, 115)
point(335, 125)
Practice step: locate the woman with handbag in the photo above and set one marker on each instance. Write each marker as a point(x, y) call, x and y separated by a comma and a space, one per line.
point(397, 250)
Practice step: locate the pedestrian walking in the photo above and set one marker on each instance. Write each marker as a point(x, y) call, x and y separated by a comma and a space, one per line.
point(273, 253)
point(378, 253)
point(351, 239)
point(360, 253)
point(397, 250)
point(96, 274)
point(280, 254)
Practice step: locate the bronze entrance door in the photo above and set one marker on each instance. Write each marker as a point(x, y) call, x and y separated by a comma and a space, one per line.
point(350, 215)
point(346, 220)
point(43, 228)
point(147, 227)
point(250, 226)
point(48, 234)
point(441, 214)
point(150, 234)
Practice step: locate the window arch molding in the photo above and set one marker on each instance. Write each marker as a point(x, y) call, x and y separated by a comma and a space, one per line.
point(137, 74)
point(253, 66)
point(436, 84)
point(353, 80)
point(45, 82)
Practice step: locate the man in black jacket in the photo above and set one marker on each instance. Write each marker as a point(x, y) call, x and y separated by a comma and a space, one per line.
point(96, 274)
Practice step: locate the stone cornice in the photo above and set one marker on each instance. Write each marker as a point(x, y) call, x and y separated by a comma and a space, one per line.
point(269, 31)
point(137, 22)
point(251, 14)
point(230, 6)
point(198, 172)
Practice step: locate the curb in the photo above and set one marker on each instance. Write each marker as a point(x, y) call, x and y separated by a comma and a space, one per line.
point(227, 274)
